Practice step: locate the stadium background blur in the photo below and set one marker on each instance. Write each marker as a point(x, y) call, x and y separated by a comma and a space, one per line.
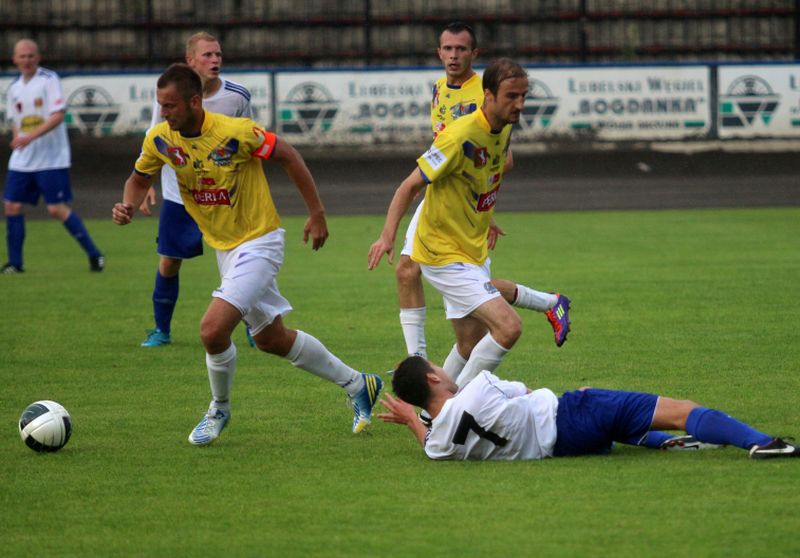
point(78, 36)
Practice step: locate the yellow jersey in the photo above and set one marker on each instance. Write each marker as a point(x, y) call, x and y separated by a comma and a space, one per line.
point(220, 177)
point(464, 169)
point(450, 102)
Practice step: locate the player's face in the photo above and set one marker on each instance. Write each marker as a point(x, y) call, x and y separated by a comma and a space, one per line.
point(456, 53)
point(506, 106)
point(206, 59)
point(26, 58)
point(179, 113)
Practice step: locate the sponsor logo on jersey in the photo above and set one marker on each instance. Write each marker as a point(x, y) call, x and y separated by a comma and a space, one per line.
point(486, 201)
point(222, 154)
point(30, 123)
point(434, 157)
point(211, 196)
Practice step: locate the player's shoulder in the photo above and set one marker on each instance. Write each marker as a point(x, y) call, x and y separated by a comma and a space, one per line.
point(46, 74)
point(231, 87)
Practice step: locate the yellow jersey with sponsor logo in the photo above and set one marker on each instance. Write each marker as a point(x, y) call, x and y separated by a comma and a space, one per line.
point(451, 102)
point(464, 169)
point(220, 177)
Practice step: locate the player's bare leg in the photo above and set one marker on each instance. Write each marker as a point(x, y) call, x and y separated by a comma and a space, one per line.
point(411, 296)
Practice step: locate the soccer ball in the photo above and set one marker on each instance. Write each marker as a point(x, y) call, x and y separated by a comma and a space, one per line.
point(45, 426)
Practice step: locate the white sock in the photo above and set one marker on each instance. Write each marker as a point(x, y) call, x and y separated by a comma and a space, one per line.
point(486, 355)
point(454, 363)
point(221, 368)
point(412, 320)
point(534, 300)
point(312, 356)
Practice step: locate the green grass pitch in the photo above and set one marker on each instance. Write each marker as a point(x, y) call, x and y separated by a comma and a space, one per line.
point(699, 304)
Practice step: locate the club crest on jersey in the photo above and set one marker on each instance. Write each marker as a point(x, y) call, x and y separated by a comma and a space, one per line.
point(486, 201)
point(222, 154)
point(175, 154)
point(211, 196)
point(478, 155)
point(38, 102)
point(462, 109)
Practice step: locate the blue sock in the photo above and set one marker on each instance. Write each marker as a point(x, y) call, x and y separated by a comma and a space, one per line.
point(15, 237)
point(165, 297)
point(654, 439)
point(715, 427)
point(76, 228)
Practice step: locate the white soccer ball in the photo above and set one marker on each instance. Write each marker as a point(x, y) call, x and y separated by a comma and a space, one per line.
point(45, 426)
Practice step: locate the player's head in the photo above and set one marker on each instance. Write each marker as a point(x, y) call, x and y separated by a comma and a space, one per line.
point(505, 85)
point(180, 93)
point(458, 47)
point(417, 380)
point(204, 55)
point(26, 57)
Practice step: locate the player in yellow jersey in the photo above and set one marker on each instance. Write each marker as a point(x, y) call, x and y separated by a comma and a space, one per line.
point(217, 160)
point(459, 92)
point(463, 170)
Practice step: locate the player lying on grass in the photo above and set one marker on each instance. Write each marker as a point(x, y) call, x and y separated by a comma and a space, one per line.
point(494, 419)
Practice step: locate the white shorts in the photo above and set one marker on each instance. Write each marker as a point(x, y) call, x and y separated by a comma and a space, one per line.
point(408, 243)
point(249, 275)
point(463, 286)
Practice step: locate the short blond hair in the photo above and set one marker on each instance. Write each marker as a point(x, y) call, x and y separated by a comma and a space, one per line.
point(192, 41)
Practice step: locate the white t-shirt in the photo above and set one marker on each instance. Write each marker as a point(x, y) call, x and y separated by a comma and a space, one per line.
point(29, 105)
point(494, 419)
point(231, 99)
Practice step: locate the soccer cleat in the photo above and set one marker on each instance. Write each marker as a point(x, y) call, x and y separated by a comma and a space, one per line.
point(210, 427)
point(156, 338)
point(686, 442)
point(97, 263)
point(10, 268)
point(558, 316)
point(364, 400)
point(776, 448)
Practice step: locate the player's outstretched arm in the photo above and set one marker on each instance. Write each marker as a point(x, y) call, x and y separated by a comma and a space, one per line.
point(136, 188)
point(401, 412)
point(403, 196)
point(293, 163)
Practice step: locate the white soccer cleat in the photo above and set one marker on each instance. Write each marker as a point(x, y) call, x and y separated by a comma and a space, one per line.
point(210, 427)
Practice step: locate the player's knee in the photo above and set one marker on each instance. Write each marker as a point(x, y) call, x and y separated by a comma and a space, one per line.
point(169, 267)
point(407, 271)
point(58, 212)
point(509, 331)
point(214, 337)
point(12, 208)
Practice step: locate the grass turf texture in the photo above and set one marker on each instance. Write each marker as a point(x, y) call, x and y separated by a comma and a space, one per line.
point(691, 304)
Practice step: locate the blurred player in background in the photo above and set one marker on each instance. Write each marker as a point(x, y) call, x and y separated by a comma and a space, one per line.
point(179, 237)
point(218, 162)
point(458, 93)
point(499, 420)
point(40, 160)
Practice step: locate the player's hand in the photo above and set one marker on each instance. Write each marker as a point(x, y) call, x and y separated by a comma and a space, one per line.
point(122, 213)
point(21, 141)
point(495, 232)
point(317, 228)
point(400, 412)
point(148, 202)
point(376, 252)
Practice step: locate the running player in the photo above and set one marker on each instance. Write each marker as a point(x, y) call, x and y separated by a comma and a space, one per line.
point(458, 93)
point(178, 235)
point(40, 160)
point(463, 171)
point(495, 419)
point(217, 160)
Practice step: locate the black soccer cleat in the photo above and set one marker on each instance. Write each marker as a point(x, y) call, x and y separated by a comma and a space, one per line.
point(776, 448)
point(97, 263)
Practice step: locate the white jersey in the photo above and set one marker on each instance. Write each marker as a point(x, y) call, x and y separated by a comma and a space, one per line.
point(231, 99)
point(30, 104)
point(491, 418)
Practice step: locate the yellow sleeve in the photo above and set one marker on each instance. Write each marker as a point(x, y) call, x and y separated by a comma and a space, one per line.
point(149, 163)
point(441, 158)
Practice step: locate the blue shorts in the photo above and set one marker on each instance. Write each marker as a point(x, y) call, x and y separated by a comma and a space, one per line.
point(589, 421)
point(178, 235)
point(26, 187)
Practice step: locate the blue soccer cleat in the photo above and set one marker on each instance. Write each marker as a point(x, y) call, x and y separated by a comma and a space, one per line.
point(210, 427)
point(364, 400)
point(558, 316)
point(156, 338)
